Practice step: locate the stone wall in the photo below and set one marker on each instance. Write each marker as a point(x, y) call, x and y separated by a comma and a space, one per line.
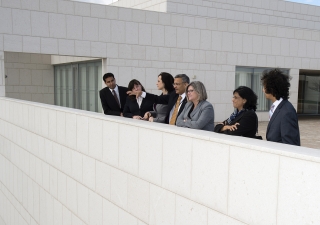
point(67, 166)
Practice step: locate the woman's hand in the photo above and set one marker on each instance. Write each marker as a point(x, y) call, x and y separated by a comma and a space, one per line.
point(230, 127)
point(150, 119)
point(147, 115)
point(137, 117)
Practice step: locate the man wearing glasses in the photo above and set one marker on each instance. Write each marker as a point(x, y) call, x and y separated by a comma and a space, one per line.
point(175, 101)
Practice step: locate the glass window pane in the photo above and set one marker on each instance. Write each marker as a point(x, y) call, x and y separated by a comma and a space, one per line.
point(87, 77)
point(83, 86)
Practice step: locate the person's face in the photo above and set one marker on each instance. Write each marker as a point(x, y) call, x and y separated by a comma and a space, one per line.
point(237, 101)
point(268, 96)
point(179, 86)
point(192, 94)
point(110, 82)
point(160, 84)
point(137, 87)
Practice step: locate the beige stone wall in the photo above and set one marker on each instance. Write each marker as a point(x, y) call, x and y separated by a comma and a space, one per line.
point(29, 77)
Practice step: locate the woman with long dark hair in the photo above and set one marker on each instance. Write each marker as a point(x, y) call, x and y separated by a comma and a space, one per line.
point(243, 121)
point(136, 107)
point(165, 84)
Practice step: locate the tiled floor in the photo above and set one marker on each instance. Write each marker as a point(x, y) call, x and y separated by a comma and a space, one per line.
point(309, 131)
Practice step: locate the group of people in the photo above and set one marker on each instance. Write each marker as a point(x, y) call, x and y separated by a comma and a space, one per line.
point(185, 104)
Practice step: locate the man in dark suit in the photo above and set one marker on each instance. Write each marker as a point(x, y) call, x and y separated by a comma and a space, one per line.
point(175, 101)
point(113, 97)
point(283, 125)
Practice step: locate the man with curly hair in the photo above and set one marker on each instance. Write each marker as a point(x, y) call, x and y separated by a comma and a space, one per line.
point(283, 125)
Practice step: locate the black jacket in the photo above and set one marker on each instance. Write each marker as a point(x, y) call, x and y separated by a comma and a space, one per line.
point(248, 127)
point(131, 107)
point(109, 103)
point(169, 100)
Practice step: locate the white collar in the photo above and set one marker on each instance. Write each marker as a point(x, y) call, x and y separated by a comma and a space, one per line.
point(276, 103)
point(115, 89)
point(183, 96)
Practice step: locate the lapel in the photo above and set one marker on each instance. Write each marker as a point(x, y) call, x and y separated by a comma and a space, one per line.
point(112, 99)
point(239, 117)
point(184, 102)
point(196, 110)
point(275, 114)
point(174, 101)
point(142, 103)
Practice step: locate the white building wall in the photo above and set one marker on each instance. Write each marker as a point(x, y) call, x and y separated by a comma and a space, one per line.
point(29, 77)
point(67, 166)
point(141, 43)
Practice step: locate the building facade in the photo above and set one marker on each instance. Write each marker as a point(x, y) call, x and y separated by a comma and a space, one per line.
point(208, 41)
point(60, 165)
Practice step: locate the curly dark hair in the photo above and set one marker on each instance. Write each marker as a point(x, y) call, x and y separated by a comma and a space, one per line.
point(168, 81)
point(276, 83)
point(131, 86)
point(249, 95)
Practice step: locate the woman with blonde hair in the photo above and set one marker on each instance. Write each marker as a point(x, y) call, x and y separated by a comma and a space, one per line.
point(198, 113)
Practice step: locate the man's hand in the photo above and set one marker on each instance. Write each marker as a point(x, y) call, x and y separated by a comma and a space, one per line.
point(137, 117)
point(121, 114)
point(136, 93)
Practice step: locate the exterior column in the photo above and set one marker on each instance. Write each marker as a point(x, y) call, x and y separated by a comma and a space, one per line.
point(2, 75)
point(294, 73)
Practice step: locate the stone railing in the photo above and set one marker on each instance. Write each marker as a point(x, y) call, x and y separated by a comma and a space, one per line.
point(67, 166)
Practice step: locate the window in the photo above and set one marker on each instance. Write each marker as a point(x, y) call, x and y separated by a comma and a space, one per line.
point(251, 77)
point(77, 85)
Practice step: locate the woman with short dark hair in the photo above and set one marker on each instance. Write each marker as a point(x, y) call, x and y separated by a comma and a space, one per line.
point(136, 107)
point(243, 121)
point(165, 84)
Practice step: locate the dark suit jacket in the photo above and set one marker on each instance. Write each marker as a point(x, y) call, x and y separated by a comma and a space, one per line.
point(248, 121)
point(131, 107)
point(170, 100)
point(109, 103)
point(283, 126)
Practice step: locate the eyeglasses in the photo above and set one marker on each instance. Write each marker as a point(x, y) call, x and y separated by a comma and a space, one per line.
point(190, 91)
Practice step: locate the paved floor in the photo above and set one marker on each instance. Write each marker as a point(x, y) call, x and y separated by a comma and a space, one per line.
point(309, 131)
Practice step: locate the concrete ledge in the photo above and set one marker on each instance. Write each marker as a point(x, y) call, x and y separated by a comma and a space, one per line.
point(58, 164)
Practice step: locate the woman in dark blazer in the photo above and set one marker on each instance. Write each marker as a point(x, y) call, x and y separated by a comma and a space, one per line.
point(243, 121)
point(198, 113)
point(136, 107)
point(159, 113)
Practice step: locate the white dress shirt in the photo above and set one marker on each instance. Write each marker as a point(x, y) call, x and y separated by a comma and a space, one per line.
point(275, 104)
point(116, 89)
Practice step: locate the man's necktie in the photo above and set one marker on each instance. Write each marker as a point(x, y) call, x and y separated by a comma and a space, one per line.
point(175, 112)
point(116, 97)
point(271, 111)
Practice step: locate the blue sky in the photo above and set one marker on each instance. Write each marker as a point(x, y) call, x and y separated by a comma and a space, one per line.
point(310, 2)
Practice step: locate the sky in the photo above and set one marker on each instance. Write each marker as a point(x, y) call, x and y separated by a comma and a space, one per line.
point(310, 2)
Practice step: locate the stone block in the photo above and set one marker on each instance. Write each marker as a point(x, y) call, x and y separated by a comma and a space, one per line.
point(103, 179)
point(138, 198)
point(256, 186)
point(57, 25)
point(31, 44)
point(90, 29)
point(74, 27)
point(176, 172)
